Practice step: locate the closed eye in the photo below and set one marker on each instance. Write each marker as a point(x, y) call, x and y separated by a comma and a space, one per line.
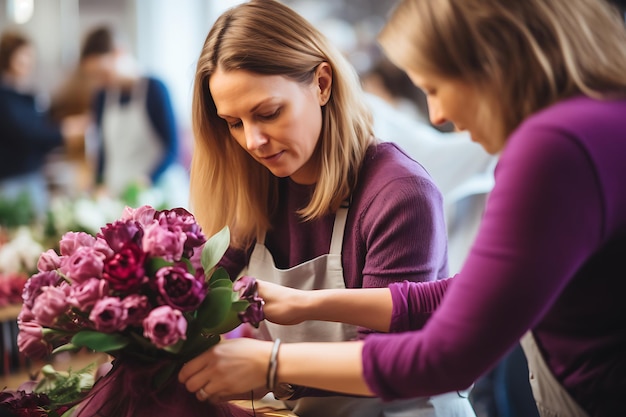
point(235, 125)
point(270, 116)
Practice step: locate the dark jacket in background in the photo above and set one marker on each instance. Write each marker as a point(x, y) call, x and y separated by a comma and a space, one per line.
point(26, 134)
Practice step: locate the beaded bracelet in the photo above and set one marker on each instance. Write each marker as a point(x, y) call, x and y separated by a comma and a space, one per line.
point(273, 366)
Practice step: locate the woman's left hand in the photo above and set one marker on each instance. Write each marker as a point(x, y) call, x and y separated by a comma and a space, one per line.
point(230, 368)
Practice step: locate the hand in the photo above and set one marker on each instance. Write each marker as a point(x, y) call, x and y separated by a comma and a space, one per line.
point(230, 368)
point(73, 129)
point(283, 305)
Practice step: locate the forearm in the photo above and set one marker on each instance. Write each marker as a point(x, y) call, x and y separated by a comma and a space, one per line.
point(365, 307)
point(329, 366)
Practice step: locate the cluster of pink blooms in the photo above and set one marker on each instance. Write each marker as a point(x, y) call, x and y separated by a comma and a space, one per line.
point(139, 275)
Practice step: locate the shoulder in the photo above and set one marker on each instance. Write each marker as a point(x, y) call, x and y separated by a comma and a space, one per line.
point(576, 117)
point(578, 124)
point(387, 161)
point(388, 173)
point(10, 95)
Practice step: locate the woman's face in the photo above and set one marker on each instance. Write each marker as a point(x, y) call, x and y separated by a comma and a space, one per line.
point(22, 62)
point(100, 68)
point(458, 102)
point(275, 119)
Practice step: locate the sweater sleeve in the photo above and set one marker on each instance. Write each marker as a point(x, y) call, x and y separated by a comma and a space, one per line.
point(27, 128)
point(542, 220)
point(404, 234)
point(412, 307)
point(161, 114)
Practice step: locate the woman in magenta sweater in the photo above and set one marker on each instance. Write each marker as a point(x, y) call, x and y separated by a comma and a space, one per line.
point(542, 84)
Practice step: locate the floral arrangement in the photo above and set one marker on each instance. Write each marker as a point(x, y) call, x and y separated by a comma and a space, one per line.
point(54, 395)
point(145, 289)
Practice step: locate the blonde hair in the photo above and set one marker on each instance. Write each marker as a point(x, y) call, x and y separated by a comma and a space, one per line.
point(523, 54)
point(228, 187)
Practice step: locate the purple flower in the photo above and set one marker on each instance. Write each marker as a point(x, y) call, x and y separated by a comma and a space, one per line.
point(137, 308)
point(164, 326)
point(125, 269)
point(48, 261)
point(248, 290)
point(108, 315)
point(84, 295)
point(181, 218)
point(86, 262)
point(74, 240)
point(51, 303)
point(179, 288)
point(30, 341)
point(164, 241)
point(35, 283)
point(143, 215)
point(121, 233)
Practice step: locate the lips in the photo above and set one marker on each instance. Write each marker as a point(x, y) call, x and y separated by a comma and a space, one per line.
point(272, 157)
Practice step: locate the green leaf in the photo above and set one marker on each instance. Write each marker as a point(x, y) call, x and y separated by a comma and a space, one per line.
point(221, 283)
point(215, 307)
point(240, 306)
point(68, 347)
point(230, 322)
point(214, 249)
point(100, 342)
point(219, 274)
point(199, 344)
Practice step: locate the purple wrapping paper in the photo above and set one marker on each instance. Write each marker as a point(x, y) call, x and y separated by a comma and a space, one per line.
point(126, 391)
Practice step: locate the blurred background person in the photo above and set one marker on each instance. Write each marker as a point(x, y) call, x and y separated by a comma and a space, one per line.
point(27, 135)
point(134, 121)
point(75, 96)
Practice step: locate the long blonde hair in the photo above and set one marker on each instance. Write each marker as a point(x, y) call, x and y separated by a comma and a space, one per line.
point(523, 54)
point(227, 186)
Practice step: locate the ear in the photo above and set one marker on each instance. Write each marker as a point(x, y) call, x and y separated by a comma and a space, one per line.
point(323, 82)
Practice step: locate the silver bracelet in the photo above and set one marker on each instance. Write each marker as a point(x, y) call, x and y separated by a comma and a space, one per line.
point(273, 366)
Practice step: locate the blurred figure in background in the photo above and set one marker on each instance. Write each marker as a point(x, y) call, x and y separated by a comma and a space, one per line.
point(134, 122)
point(27, 135)
point(390, 83)
point(75, 96)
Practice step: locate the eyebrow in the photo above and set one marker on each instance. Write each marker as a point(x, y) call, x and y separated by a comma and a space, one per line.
point(253, 109)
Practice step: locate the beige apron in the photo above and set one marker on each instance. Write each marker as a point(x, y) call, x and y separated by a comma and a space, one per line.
point(326, 272)
point(131, 145)
point(551, 398)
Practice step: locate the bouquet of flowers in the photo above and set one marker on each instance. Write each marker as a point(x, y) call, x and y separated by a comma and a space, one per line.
point(145, 290)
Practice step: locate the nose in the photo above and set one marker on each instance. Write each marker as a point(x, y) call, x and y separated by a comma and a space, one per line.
point(435, 114)
point(255, 138)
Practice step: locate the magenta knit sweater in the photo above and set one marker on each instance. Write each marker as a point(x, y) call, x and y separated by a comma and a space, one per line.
point(550, 256)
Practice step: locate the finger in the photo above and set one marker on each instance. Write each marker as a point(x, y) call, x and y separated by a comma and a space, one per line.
point(192, 367)
point(199, 380)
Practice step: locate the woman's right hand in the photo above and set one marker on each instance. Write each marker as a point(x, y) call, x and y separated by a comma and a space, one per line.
point(283, 305)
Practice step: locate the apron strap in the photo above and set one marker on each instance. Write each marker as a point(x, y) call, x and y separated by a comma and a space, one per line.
point(336, 242)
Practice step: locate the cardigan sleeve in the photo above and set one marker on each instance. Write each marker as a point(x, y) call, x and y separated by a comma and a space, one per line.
point(541, 220)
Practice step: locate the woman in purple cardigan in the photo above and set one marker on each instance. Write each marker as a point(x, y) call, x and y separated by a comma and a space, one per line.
point(543, 84)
